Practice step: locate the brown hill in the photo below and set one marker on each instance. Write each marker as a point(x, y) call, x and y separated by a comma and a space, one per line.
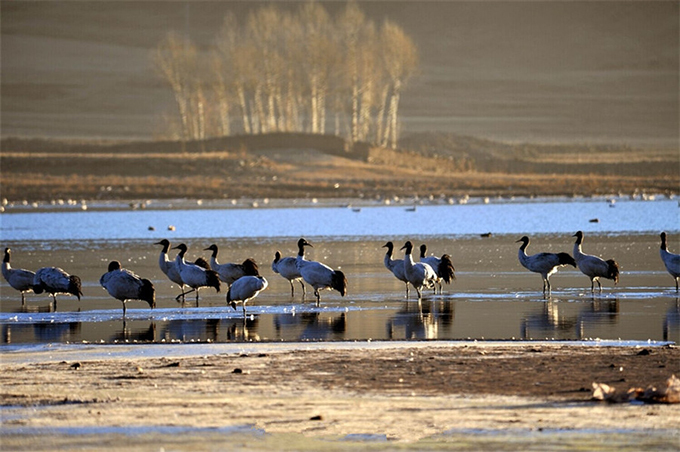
point(303, 166)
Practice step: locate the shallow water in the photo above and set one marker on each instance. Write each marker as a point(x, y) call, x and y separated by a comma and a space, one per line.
point(522, 216)
point(493, 297)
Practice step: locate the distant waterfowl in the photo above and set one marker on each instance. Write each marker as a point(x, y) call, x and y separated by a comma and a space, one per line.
point(287, 268)
point(546, 264)
point(245, 289)
point(442, 266)
point(124, 285)
point(319, 276)
point(18, 278)
point(593, 266)
point(670, 260)
point(419, 274)
point(396, 266)
point(55, 281)
point(194, 275)
point(231, 272)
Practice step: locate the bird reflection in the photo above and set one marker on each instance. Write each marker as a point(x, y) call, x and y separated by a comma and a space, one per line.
point(243, 329)
point(311, 326)
point(128, 334)
point(187, 330)
point(553, 322)
point(426, 319)
point(601, 312)
point(671, 322)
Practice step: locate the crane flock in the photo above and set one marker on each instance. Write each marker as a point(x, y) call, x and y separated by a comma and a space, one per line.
point(244, 281)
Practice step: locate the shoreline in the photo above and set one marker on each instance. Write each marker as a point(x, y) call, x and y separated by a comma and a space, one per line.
point(416, 395)
point(52, 352)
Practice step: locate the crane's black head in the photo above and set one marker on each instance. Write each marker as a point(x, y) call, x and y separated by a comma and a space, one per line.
point(302, 242)
point(7, 253)
point(182, 249)
point(524, 240)
point(165, 243)
point(423, 250)
point(277, 256)
point(579, 237)
point(389, 246)
point(408, 246)
point(114, 265)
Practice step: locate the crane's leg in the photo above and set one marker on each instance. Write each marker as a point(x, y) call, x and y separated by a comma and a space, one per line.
point(592, 286)
point(54, 296)
point(292, 288)
point(304, 291)
point(318, 297)
point(676, 284)
point(23, 299)
point(183, 294)
point(124, 309)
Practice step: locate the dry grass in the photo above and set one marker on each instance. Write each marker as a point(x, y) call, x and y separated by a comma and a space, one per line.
point(37, 170)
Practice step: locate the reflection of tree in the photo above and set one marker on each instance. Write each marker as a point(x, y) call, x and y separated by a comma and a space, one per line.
point(300, 71)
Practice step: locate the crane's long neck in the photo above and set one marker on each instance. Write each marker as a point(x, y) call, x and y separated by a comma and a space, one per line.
point(408, 259)
point(523, 248)
point(388, 257)
point(6, 267)
point(180, 258)
point(213, 258)
point(578, 252)
point(5, 262)
point(664, 246)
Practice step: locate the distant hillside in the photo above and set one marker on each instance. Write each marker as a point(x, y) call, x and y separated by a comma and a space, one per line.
point(299, 165)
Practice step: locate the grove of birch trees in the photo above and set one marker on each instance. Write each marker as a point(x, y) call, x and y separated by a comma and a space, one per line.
point(290, 71)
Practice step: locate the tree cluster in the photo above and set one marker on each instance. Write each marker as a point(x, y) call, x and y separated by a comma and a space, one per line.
point(283, 71)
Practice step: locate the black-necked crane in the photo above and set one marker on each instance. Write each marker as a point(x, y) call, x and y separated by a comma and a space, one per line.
point(245, 289)
point(442, 266)
point(56, 281)
point(545, 264)
point(396, 266)
point(419, 274)
point(670, 260)
point(231, 272)
point(124, 285)
point(169, 266)
point(319, 276)
point(194, 275)
point(287, 268)
point(594, 267)
point(18, 278)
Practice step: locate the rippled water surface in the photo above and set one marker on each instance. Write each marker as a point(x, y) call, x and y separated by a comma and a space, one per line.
point(493, 297)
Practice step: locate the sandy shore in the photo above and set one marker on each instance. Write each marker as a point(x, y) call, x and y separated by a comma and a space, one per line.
point(298, 396)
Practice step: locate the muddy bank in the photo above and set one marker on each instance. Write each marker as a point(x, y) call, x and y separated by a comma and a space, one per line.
point(405, 392)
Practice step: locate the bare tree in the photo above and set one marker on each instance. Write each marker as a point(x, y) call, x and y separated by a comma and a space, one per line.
point(400, 57)
point(292, 71)
point(176, 60)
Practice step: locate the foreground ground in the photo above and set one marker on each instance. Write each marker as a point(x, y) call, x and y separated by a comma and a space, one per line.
point(398, 392)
